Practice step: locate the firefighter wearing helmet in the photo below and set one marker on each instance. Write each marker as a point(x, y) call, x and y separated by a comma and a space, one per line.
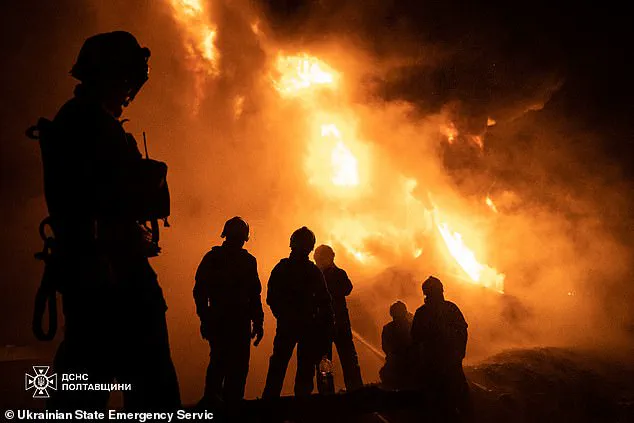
point(96, 185)
point(340, 286)
point(439, 331)
point(300, 301)
point(227, 296)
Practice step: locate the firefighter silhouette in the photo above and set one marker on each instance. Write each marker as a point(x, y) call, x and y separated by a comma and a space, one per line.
point(401, 360)
point(227, 296)
point(439, 331)
point(299, 300)
point(339, 287)
point(95, 184)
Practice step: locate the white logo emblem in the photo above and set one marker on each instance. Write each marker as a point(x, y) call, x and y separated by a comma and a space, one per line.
point(40, 382)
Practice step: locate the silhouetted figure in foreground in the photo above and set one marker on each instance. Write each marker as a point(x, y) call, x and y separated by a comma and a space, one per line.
point(339, 287)
point(227, 296)
point(299, 300)
point(439, 330)
point(401, 359)
point(99, 191)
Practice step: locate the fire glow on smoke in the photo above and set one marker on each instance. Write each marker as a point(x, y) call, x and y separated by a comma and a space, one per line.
point(338, 164)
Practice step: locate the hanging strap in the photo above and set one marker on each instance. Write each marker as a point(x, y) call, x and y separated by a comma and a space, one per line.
point(47, 292)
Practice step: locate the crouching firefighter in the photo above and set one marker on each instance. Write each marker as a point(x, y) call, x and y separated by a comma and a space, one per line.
point(100, 193)
point(227, 296)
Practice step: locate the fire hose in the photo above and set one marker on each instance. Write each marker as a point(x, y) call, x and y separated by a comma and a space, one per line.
point(368, 345)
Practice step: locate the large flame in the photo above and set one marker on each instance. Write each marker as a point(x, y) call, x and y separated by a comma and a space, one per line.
point(302, 76)
point(200, 36)
point(343, 162)
point(338, 163)
point(299, 73)
point(478, 273)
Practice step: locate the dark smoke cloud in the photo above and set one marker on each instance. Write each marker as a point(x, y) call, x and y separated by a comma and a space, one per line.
point(556, 80)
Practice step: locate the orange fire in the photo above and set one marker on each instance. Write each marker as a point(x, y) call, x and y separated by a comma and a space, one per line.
point(332, 165)
point(343, 162)
point(200, 34)
point(449, 130)
point(338, 164)
point(478, 273)
point(299, 73)
point(200, 37)
point(491, 204)
point(477, 140)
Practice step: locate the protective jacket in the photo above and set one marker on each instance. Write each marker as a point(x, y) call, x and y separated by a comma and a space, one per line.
point(299, 299)
point(94, 179)
point(440, 330)
point(298, 295)
point(228, 288)
point(227, 296)
point(339, 287)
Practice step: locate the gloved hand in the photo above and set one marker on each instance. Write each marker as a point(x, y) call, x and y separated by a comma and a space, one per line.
point(258, 333)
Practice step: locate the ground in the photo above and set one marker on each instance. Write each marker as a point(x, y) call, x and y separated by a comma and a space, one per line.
point(528, 385)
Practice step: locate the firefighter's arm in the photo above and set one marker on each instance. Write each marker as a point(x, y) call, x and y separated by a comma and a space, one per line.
point(345, 283)
point(201, 288)
point(460, 328)
point(273, 292)
point(385, 342)
point(255, 304)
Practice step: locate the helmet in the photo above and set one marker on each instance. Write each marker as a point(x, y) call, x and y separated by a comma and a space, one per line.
point(303, 239)
point(236, 228)
point(398, 309)
point(432, 285)
point(113, 56)
point(325, 251)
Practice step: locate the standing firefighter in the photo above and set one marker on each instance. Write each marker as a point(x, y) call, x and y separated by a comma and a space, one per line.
point(299, 300)
point(439, 330)
point(340, 286)
point(401, 364)
point(227, 296)
point(99, 192)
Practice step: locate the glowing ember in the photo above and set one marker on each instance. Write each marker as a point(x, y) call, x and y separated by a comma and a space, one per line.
point(478, 273)
point(477, 140)
point(302, 72)
point(491, 204)
point(491, 121)
point(255, 27)
point(449, 130)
